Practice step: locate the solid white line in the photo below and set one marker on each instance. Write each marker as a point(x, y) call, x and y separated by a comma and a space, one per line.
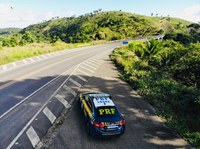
point(70, 90)
point(49, 115)
point(32, 119)
point(63, 101)
point(81, 78)
point(87, 74)
point(33, 137)
point(87, 69)
point(32, 94)
point(75, 82)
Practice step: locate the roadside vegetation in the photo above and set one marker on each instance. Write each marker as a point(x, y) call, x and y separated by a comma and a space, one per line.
point(167, 75)
point(95, 27)
point(11, 54)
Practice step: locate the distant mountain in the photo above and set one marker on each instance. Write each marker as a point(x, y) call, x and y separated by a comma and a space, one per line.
point(9, 31)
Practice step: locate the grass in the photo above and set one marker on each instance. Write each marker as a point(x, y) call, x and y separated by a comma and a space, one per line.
point(173, 100)
point(11, 54)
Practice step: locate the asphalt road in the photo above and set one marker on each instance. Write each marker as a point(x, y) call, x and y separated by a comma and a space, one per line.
point(25, 90)
point(144, 130)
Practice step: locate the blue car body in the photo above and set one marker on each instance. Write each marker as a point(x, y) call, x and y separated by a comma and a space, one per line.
point(125, 42)
point(101, 116)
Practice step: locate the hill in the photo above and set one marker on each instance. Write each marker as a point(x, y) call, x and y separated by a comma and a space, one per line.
point(104, 26)
point(112, 25)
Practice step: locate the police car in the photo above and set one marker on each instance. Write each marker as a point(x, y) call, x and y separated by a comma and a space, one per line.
point(101, 115)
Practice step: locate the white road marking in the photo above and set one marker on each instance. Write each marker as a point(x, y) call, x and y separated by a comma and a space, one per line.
point(37, 57)
point(89, 66)
point(94, 61)
point(87, 69)
point(63, 101)
point(75, 82)
point(32, 60)
point(32, 94)
point(49, 115)
point(80, 77)
point(14, 64)
point(33, 137)
point(33, 118)
point(24, 61)
point(4, 68)
point(90, 63)
point(70, 90)
point(85, 73)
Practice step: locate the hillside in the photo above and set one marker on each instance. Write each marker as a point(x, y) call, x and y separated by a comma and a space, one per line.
point(104, 26)
point(113, 25)
point(8, 31)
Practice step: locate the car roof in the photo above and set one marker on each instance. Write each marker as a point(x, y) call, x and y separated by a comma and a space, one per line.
point(101, 99)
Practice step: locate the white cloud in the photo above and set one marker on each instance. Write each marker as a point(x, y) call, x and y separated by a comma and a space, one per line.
point(20, 18)
point(191, 13)
point(4, 8)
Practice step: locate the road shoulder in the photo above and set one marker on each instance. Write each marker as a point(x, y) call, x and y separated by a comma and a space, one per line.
point(143, 129)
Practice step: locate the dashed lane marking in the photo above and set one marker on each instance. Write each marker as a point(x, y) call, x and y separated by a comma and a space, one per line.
point(87, 69)
point(75, 82)
point(70, 90)
point(33, 137)
point(63, 101)
point(81, 78)
point(49, 115)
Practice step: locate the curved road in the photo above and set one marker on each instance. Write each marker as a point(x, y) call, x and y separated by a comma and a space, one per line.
point(25, 90)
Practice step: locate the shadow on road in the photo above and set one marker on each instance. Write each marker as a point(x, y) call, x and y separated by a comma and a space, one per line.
point(143, 128)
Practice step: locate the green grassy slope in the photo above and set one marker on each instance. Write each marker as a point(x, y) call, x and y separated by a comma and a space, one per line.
point(104, 26)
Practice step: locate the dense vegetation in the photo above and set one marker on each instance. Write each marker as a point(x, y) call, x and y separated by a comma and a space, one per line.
point(167, 75)
point(95, 26)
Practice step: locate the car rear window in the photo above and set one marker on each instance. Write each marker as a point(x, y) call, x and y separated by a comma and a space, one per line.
point(107, 111)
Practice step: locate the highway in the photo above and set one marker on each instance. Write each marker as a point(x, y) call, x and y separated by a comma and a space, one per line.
point(26, 91)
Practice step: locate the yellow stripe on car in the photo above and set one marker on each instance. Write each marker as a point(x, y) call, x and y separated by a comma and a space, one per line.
point(87, 109)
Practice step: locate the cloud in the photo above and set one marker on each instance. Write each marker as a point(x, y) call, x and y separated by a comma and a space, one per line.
point(193, 10)
point(4, 8)
point(22, 18)
point(192, 13)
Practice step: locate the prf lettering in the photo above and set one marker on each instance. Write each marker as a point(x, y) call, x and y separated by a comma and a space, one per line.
point(106, 111)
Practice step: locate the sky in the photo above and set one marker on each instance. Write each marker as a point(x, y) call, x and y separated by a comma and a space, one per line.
point(21, 13)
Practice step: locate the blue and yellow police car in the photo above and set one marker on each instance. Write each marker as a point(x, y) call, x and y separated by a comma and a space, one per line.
point(101, 115)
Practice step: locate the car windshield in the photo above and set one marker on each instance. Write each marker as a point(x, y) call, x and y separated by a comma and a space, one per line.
point(107, 111)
